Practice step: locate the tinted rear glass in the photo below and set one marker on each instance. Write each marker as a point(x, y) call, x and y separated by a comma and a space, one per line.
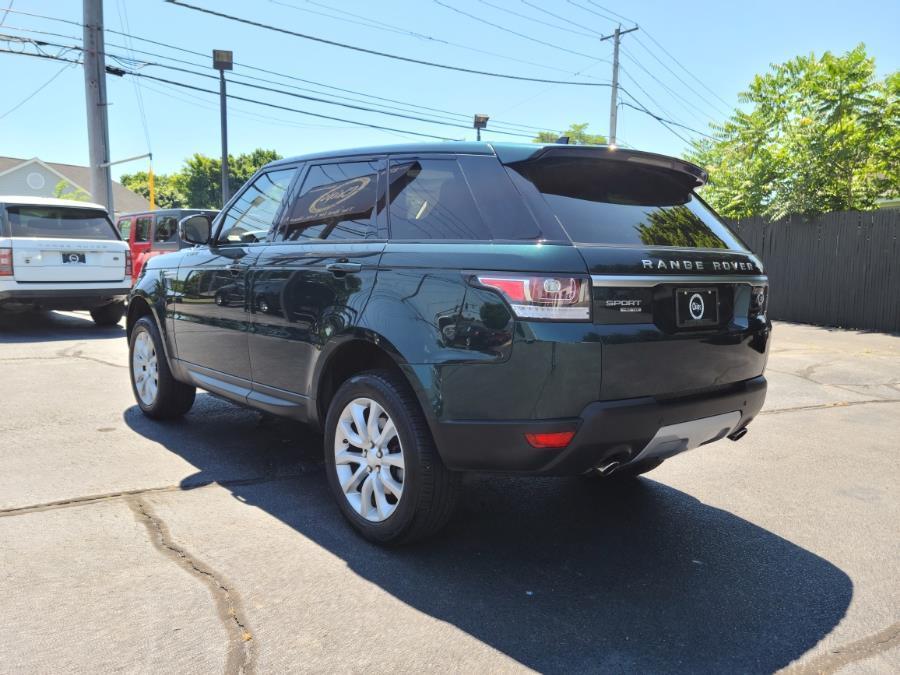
point(59, 223)
point(612, 202)
point(430, 199)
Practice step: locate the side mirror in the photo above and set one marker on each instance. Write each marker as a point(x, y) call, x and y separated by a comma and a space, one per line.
point(195, 229)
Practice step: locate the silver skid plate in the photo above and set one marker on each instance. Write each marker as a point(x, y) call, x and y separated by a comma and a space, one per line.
point(675, 438)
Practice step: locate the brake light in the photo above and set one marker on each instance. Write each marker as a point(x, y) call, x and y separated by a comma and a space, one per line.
point(129, 270)
point(6, 262)
point(544, 297)
point(556, 439)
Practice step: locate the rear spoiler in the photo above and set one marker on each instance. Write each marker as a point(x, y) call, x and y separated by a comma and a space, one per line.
point(511, 154)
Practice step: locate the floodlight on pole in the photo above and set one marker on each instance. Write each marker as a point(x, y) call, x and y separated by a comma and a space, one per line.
point(223, 60)
point(479, 124)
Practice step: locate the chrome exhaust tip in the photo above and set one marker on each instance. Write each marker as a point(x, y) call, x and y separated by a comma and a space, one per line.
point(739, 434)
point(608, 468)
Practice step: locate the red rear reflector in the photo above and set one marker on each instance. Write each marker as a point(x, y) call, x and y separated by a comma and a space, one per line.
point(6, 262)
point(557, 439)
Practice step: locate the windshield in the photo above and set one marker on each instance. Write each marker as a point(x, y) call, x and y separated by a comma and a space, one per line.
point(59, 222)
point(613, 202)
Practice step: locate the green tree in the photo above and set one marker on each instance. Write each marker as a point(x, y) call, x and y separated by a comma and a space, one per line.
point(816, 134)
point(167, 195)
point(198, 183)
point(577, 134)
point(65, 190)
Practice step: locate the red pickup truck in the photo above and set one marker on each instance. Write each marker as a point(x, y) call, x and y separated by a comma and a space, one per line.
point(152, 233)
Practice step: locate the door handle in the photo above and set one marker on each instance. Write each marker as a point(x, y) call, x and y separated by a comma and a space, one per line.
point(343, 267)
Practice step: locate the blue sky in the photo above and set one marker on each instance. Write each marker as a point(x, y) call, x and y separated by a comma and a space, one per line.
point(723, 43)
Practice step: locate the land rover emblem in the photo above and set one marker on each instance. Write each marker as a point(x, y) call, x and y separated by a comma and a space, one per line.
point(696, 306)
point(73, 257)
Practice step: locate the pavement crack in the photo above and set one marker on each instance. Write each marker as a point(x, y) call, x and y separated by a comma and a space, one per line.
point(124, 494)
point(227, 601)
point(822, 406)
point(837, 658)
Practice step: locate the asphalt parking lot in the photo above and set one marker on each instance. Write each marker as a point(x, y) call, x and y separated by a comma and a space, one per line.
point(212, 543)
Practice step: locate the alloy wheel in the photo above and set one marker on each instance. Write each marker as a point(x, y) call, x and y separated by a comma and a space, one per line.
point(369, 459)
point(145, 367)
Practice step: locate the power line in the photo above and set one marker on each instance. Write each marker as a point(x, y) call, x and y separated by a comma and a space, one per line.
point(606, 9)
point(369, 22)
point(36, 91)
point(714, 106)
point(663, 49)
point(294, 110)
point(561, 18)
point(387, 55)
point(317, 99)
point(132, 63)
point(533, 20)
point(242, 98)
point(656, 42)
point(6, 13)
point(453, 116)
point(640, 107)
point(506, 30)
point(602, 16)
point(123, 20)
point(685, 102)
point(702, 84)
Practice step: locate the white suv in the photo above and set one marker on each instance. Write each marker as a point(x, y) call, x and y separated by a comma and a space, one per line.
point(62, 254)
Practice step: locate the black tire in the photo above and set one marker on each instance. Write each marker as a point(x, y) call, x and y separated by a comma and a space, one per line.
point(108, 315)
point(627, 473)
point(429, 489)
point(173, 398)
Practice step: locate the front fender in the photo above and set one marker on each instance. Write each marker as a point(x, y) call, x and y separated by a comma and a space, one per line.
point(151, 291)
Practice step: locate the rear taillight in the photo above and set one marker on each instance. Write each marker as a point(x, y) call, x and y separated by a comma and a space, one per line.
point(6, 262)
point(558, 298)
point(759, 300)
point(128, 268)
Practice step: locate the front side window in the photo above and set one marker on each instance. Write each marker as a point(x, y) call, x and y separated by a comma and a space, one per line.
point(124, 226)
point(142, 228)
point(59, 222)
point(257, 209)
point(600, 201)
point(337, 201)
point(430, 199)
point(166, 229)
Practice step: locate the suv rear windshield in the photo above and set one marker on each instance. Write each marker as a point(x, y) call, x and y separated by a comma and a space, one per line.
point(614, 202)
point(59, 222)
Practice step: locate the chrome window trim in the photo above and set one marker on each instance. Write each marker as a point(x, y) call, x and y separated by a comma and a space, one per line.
point(647, 280)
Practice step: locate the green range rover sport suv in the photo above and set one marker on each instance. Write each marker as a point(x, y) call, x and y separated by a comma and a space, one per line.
point(434, 309)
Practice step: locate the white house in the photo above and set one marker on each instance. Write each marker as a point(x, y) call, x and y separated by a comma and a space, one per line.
point(36, 178)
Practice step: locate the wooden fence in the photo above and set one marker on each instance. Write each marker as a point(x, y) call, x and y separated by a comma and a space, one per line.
point(837, 269)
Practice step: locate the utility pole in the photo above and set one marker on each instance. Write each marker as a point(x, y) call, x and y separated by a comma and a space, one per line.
point(223, 60)
point(97, 107)
point(614, 92)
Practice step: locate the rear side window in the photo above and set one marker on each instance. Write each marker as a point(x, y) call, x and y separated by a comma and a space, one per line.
point(142, 228)
point(124, 226)
point(430, 199)
point(58, 222)
point(336, 201)
point(166, 229)
point(613, 202)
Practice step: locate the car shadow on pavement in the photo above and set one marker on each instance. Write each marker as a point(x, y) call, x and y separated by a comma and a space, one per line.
point(53, 326)
point(561, 575)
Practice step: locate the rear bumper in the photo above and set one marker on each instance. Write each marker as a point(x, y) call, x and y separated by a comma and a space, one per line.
point(605, 431)
point(63, 298)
